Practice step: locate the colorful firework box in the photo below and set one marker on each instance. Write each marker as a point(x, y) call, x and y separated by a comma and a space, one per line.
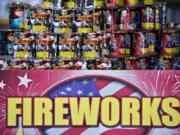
point(69, 46)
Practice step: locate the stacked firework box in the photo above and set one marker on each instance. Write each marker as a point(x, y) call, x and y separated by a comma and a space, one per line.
point(89, 34)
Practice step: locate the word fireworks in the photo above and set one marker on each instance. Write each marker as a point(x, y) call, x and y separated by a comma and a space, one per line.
point(84, 111)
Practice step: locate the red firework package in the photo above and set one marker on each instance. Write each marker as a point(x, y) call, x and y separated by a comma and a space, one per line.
point(91, 45)
point(39, 64)
point(69, 46)
point(144, 43)
point(170, 44)
point(114, 3)
point(62, 21)
point(127, 19)
point(119, 45)
point(110, 19)
point(46, 45)
point(17, 64)
point(24, 45)
point(84, 21)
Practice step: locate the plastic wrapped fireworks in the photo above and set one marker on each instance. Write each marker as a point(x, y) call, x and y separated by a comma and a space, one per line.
point(46, 46)
point(69, 46)
point(131, 2)
point(170, 43)
point(91, 46)
point(128, 19)
point(144, 43)
point(40, 19)
point(17, 64)
point(94, 3)
point(19, 16)
point(110, 18)
point(84, 21)
point(62, 21)
point(24, 45)
point(38, 64)
point(148, 18)
point(114, 3)
point(119, 45)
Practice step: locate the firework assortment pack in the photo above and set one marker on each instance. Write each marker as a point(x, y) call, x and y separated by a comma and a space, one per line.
point(90, 34)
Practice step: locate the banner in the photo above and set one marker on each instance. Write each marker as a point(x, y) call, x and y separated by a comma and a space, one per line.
point(89, 102)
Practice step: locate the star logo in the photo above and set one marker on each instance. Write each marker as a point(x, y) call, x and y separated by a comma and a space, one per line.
point(69, 89)
point(79, 92)
point(62, 93)
point(90, 94)
point(24, 80)
point(2, 85)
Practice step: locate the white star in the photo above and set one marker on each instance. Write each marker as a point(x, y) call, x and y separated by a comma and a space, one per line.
point(85, 82)
point(62, 93)
point(24, 80)
point(79, 92)
point(2, 85)
point(69, 89)
point(91, 94)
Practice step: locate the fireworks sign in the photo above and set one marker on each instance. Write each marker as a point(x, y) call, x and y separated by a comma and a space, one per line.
point(89, 102)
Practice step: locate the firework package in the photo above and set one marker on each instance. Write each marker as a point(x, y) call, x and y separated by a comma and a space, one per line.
point(52, 18)
point(129, 63)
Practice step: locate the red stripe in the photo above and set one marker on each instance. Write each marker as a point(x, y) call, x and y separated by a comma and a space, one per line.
point(140, 131)
point(126, 91)
point(100, 84)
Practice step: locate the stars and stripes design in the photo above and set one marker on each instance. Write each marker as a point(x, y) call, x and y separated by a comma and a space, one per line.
point(93, 87)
